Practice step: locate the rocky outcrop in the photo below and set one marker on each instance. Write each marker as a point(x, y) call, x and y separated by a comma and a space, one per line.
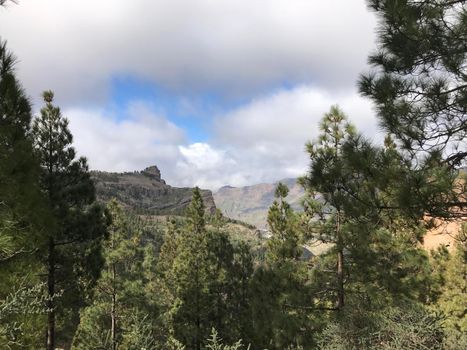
point(146, 192)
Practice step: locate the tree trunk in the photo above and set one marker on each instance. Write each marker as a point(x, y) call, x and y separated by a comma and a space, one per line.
point(340, 265)
point(113, 311)
point(197, 301)
point(113, 330)
point(340, 279)
point(51, 294)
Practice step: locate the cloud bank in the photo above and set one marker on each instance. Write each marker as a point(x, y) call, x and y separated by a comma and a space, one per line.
point(234, 47)
point(275, 67)
point(261, 141)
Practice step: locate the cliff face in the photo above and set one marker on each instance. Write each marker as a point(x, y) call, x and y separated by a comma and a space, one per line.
point(146, 193)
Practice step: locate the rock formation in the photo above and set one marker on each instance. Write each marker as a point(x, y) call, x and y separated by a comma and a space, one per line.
point(146, 193)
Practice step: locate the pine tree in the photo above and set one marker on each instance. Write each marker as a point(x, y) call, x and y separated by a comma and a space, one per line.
point(189, 310)
point(420, 86)
point(201, 277)
point(241, 326)
point(450, 291)
point(355, 190)
point(19, 172)
point(72, 257)
point(23, 210)
point(279, 295)
point(119, 301)
point(220, 282)
point(283, 223)
point(326, 178)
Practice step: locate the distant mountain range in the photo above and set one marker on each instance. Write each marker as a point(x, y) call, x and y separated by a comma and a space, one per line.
point(250, 204)
point(146, 192)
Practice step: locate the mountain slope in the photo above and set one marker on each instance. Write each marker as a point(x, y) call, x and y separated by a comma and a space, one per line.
point(251, 203)
point(146, 193)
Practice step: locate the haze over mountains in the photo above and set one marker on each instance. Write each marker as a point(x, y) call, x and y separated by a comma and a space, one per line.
point(251, 203)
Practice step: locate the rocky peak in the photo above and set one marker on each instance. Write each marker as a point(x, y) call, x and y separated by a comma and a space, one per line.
point(153, 172)
point(146, 193)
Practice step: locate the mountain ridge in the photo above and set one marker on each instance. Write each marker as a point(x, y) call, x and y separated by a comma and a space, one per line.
point(251, 203)
point(145, 192)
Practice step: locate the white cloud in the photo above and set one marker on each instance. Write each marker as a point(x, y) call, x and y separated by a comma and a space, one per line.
point(261, 141)
point(232, 46)
point(143, 139)
point(288, 115)
point(236, 48)
point(202, 156)
point(266, 137)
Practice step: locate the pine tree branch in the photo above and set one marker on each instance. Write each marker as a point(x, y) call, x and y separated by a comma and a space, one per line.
point(323, 308)
point(66, 242)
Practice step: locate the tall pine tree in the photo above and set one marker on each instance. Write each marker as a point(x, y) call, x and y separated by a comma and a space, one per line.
point(72, 259)
point(354, 193)
point(23, 210)
point(325, 180)
point(119, 303)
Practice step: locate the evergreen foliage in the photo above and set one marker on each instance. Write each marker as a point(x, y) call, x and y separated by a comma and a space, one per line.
point(122, 314)
point(282, 318)
point(283, 223)
point(204, 280)
point(328, 179)
point(408, 327)
point(353, 203)
point(72, 258)
point(420, 92)
point(24, 212)
point(450, 291)
point(419, 85)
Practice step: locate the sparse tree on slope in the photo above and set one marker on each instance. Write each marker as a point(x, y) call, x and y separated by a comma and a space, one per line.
point(283, 223)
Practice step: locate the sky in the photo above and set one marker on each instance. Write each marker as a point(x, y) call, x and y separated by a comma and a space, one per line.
point(213, 92)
